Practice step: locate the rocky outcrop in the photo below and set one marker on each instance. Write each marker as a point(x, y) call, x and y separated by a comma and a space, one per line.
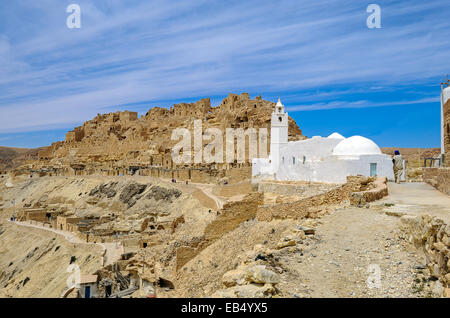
point(438, 178)
point(159, 193)
point(432, 236)
point(106, 189)
point(130, 194)
point(249, 281)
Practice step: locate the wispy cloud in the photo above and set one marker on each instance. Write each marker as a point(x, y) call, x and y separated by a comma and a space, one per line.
point(132, 51)
point(358, 104)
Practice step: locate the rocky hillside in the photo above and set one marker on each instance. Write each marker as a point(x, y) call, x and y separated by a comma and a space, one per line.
point(35, 262)
point(11, 158)
point(123, 138)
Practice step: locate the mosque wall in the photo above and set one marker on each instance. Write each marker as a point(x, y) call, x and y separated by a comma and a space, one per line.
point(308, 150)
point(335, 169)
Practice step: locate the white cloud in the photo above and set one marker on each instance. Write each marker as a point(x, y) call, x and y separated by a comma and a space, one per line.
point(166, 50)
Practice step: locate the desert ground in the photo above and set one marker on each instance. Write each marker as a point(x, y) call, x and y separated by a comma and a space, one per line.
point(201, 245)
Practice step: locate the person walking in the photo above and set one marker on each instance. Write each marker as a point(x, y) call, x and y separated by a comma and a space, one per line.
point(398, 166)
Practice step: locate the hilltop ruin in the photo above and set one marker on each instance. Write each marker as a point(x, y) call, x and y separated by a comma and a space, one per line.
point(120, 142)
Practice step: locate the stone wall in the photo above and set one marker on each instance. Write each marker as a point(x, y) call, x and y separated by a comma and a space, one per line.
point(438, 178)
point(379, 190)
point(431, 235)
point(311, 206)
point(302, 189)
point(203, 174)
point(230, 217)
point(233, 214)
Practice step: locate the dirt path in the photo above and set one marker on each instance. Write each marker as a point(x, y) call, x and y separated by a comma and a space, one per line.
point(204, 193)
point(351, 244)
point(67, 235)
point(417, 198)
point(207, 189)
point(349, 247)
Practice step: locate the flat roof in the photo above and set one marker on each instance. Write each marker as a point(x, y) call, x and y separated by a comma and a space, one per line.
point(88, 279)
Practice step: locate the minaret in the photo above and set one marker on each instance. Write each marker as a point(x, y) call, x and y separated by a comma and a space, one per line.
point(278, 133)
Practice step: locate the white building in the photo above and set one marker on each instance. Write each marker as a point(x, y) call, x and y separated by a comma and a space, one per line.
point(319, 159)
point(445, 96)
point(88, 286)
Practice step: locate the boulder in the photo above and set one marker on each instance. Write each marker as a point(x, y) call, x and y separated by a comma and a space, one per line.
point(438, 289)
point(447, 292)
point(246, 291)
point(300, 234)
point(234, 277)
point(286, 243)
point(260, 275)
point(305, 229)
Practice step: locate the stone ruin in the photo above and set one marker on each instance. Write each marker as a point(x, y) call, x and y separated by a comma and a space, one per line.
point(123, 143)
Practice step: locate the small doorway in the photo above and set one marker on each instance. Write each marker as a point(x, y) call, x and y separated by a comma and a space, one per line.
point(373, 169)
point(87, 292)
point(108, 290)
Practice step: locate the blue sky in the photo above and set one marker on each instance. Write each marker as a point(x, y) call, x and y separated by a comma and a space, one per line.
point(331, 71)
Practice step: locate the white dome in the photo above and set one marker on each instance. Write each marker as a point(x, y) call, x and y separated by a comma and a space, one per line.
point(356, 145)
point(336, 135)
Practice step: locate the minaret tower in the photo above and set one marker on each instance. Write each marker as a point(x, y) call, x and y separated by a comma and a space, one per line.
point(278, 133)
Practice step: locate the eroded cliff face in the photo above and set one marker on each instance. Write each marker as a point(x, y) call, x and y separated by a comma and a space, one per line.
point(122, 139)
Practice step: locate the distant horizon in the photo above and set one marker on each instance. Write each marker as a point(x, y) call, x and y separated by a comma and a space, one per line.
point(330, 69)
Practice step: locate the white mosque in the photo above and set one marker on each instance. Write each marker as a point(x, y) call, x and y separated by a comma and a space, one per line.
point(319, 159)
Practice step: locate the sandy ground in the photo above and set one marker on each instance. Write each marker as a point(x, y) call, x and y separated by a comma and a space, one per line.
point(348, 247)
point(355, 252)
point(352, 243)
point(352, 250)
